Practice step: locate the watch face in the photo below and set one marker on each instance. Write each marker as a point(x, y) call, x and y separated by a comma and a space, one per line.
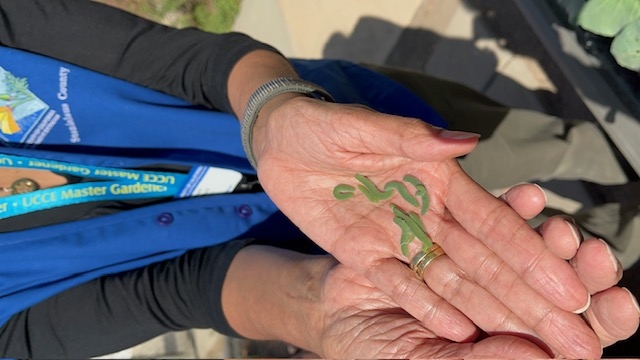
point(23, 186)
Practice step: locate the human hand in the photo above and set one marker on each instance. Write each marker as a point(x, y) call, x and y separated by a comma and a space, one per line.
point(366, 323)
point(357, 312)
point(304, 148)
point(336, 312)
point(613, 312)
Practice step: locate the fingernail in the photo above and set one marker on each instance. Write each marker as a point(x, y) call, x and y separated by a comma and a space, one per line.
point(584, 308)
point(505, 195)
point(544, 193)
point(457, 135)
point(574, 231)
point(633, 300)
point(614, 259)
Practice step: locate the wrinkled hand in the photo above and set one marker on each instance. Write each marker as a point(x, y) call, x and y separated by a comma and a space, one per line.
point(363, 322)
point(305, 147)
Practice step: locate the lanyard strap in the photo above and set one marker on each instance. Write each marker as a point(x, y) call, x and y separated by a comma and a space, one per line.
point(96, 172)
point(112, 184)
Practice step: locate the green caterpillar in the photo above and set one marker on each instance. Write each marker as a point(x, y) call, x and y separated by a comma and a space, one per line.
point(410, 223)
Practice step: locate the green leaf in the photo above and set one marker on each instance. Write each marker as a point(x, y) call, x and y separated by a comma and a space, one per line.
point(608, 17)
point(625, 47)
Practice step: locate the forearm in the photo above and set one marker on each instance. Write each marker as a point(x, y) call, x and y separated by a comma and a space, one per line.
point(189, 63)
point(252, 71)
point(218, 71)
point(271, 293)
point(117, 311)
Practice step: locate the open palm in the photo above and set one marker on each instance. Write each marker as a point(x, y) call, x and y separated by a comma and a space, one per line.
point(306, 147)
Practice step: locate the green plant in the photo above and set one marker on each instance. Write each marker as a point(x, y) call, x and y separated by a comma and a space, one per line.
point(617, 19)
point(216, 16)
point(209, 15)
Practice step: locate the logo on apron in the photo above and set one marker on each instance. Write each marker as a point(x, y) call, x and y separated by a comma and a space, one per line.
point(20, 109)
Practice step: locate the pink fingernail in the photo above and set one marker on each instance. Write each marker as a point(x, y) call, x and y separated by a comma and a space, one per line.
point(457, 135)
point(614, 259)
point(584, 308)
point(633, 299)
point(576, 234)
point(543, 192)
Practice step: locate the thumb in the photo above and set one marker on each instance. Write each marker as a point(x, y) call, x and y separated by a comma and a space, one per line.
point(415, 139)
point(436, 144)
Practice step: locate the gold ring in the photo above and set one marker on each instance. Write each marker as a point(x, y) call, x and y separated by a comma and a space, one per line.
point(422, 259)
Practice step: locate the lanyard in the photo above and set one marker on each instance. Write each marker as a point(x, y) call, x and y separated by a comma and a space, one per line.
point(112, 184)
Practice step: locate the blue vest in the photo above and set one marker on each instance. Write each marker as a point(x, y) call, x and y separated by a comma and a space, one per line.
point(56, 111)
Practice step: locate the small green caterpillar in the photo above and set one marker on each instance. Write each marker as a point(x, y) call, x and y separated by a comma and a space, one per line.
point(421, 191)
point(402, 190)
point(410, 223)
point(343, 192)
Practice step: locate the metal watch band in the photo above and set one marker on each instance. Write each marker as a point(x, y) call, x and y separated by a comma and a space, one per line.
point(266, 92)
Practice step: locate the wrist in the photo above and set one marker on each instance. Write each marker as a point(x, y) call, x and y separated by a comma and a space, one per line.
point(266, 94)
point(272, 109)
point(284, 304)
